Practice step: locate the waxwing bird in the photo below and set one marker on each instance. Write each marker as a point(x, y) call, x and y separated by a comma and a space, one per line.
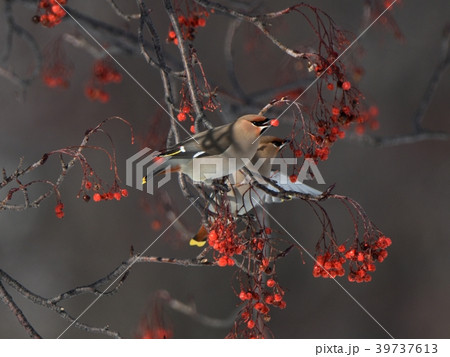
point(228, 143)
point(243, 197)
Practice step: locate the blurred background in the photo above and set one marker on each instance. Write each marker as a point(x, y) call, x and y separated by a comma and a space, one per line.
point(404, 189)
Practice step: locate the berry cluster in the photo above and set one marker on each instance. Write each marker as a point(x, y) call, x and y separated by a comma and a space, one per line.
point(96, 94)
point(57, 68)
point(54, 80)
point(361, 258)
point(328, 266)
point(110, 195)
point(53, 13)
point(223, 239)
point(114, 193)
point(157, 333)
point(103, 73)
point(189, 23)
point(367, 119)
point(337, 101)
point(185, 112)
point(59, 210)
point(259, 303)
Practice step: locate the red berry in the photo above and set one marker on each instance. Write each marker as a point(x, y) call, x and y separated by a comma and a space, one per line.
point(346, 85)
point(270, 283)
point(201, 22)
point(117, 196)
point(330, 86)
point(259, 306)
point(293, 178)
point(269, 299)
point(156, 225)
point(59, 210)
point(222, 262)
point(274, 122)
point(268, 230)
point(341, 134)
point(192, 129)
point(243, 295)
point(186, 109)
point(172, 35)
point(181, 116)
point(277, 297)
point(250, 324)
point(212, 235)
point(374, 124)
point(124, 192)
point(97, 197)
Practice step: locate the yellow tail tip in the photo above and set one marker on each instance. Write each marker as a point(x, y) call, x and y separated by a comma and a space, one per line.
point(196, 243)
point(144, 180)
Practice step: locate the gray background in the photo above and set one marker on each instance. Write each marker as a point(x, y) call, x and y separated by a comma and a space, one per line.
point(403, 189)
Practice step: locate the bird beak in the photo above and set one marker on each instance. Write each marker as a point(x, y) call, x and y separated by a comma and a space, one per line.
point(264, 124)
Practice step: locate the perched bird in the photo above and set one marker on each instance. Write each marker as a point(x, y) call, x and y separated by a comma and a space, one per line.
point(229, 143)
point(243, 196)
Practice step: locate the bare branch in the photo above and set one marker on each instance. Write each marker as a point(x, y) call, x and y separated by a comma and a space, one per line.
point(8, 300)
point(187, 64)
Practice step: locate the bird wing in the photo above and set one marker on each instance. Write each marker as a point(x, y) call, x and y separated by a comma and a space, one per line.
point(207, 143)
point(286, 184)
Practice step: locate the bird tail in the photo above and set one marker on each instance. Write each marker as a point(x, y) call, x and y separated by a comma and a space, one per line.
point(199, 240)
point(160, 165)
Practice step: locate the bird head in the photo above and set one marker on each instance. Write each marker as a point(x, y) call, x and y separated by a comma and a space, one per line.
point(269, 146)
point(254, 124)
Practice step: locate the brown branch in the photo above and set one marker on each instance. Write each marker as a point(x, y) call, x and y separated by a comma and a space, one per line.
point(119, 12)
point(419, 134)
point(94, 288)
point(259, 22)
point(75, 152)
point(8, 300)
point(14, 29)
point(187, 65)
point(161, 61)
point(433, 83)
point(229, 62)
point(382, 142)
point(191, 311)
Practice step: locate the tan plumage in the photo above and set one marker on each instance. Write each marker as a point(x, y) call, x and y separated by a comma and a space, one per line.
point(231, 141)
